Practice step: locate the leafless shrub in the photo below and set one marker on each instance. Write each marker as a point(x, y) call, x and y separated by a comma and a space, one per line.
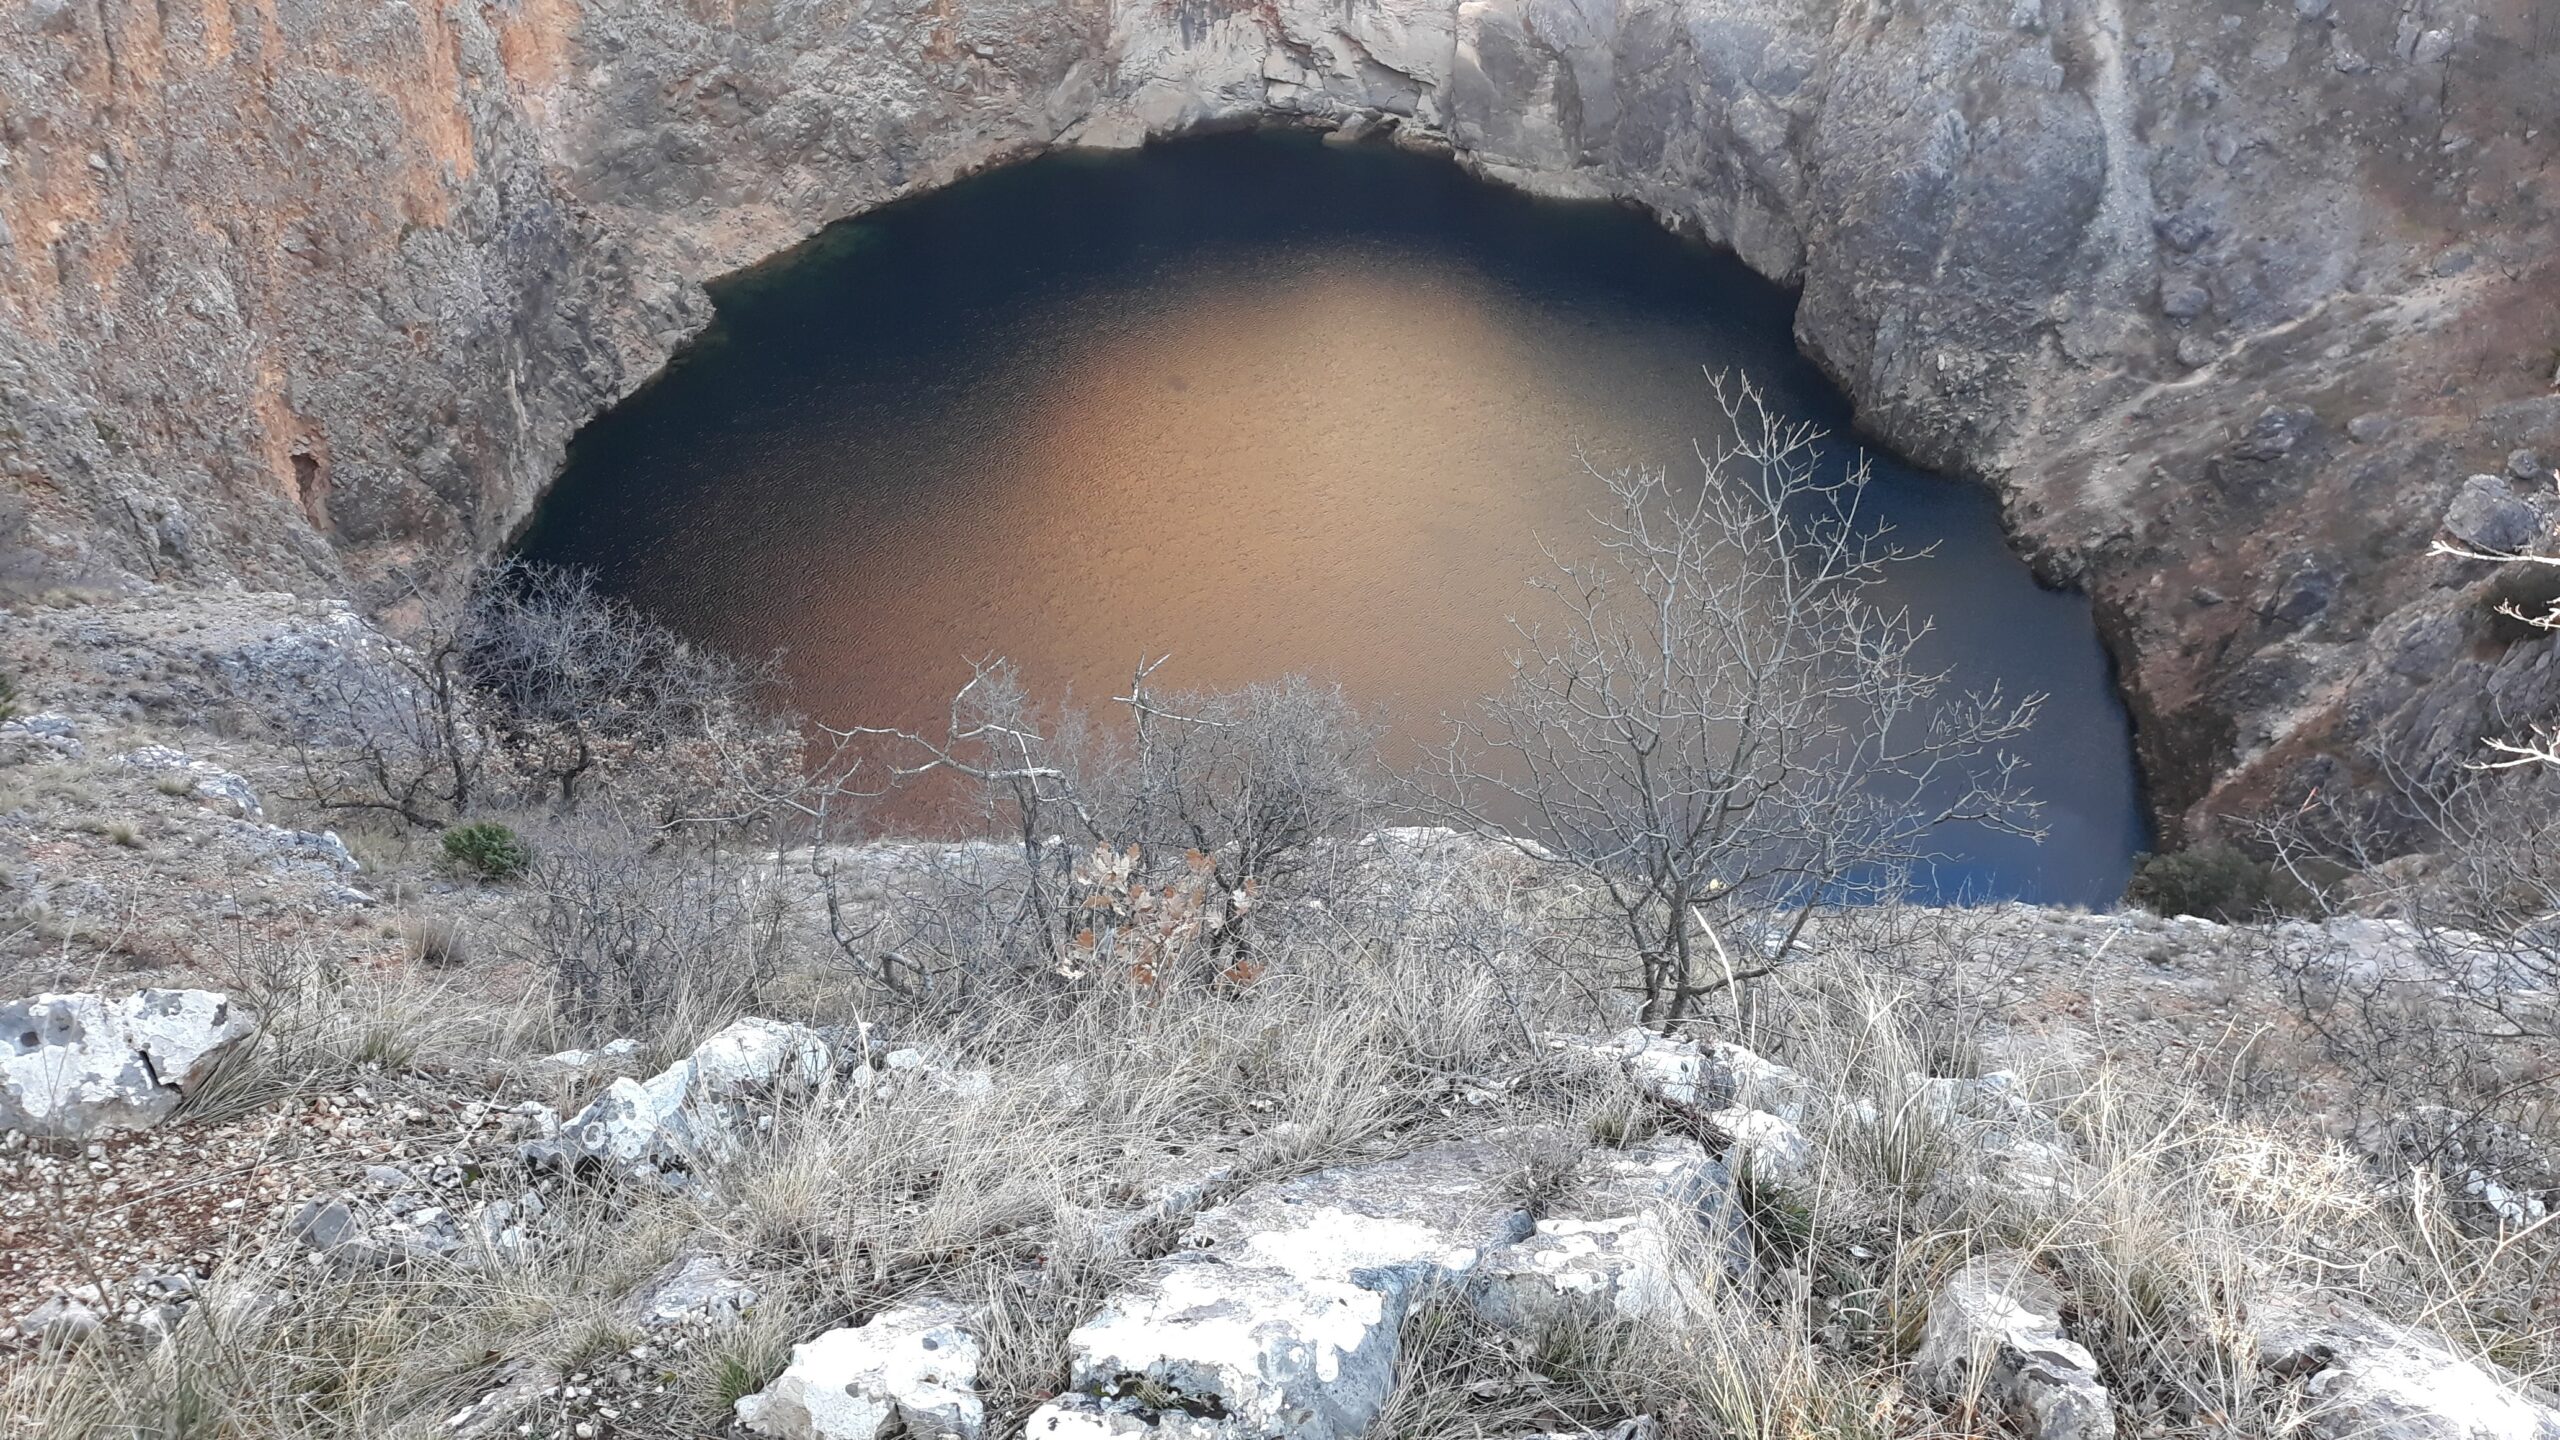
point(2439, 1009)
point(522, 678)
point(1145, 856)
point(401, 735)
point(1720, 726)
point(1251, 779)
point(580, 687)
point(644, 930)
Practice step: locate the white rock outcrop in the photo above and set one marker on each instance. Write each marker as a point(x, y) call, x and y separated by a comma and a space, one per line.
point(2364, 1378)
point(699, 1291)
point(916, 1366)
point(1279, 1313)
point(1771, 1148)
point(73, 1065)
point(1994, 1338)
point(695, 1112)
point(1618, 1246)
point(205, 781)
point(40, 738)
point(1715, 1076)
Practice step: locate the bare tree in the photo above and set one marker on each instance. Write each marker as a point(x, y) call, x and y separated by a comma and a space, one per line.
point(1719, 722)
point(1250, 780)
point(1141, 851)
point(1026, 783)
point(576, 680)
point(400, 733)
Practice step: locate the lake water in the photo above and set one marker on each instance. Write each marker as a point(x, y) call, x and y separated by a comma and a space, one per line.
point(1263, 403)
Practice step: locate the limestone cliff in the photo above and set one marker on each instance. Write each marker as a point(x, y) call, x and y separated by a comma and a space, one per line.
point(2226, 298)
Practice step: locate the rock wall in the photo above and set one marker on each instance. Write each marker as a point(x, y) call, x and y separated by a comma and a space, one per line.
point(2227, 297)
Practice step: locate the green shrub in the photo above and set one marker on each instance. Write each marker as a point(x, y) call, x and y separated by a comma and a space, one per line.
point(2217, 881)
point(8, 697)
point(488, 850)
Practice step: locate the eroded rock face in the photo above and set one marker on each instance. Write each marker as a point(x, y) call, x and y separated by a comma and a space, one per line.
point(2219, 300)
point(77, 1065)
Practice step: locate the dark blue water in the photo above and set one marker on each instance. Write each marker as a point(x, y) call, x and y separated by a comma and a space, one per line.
point(1267, 404)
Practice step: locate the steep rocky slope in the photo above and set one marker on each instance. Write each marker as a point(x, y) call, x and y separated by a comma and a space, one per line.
point(2226, 298)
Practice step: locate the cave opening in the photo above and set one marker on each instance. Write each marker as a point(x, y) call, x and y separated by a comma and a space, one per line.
point(1267, 404)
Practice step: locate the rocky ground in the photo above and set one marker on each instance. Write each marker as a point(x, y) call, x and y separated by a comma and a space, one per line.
point(280, 1161)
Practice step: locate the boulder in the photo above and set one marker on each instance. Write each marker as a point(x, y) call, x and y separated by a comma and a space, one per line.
point(1993, 1337)
point(59, 1320)
point(916, 1366)
point(613, 1058)
point(1616, 1246)
point(2486, 514)
point(1279, 1312)
point(353, 1231)
point(694, 1113)
point(2184, 299)
point(2367, 1379)
point(2273, 435)
point(77, 1065)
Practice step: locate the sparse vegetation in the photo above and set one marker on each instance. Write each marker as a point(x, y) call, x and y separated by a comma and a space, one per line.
point(436, 942)
point(2181, 1219)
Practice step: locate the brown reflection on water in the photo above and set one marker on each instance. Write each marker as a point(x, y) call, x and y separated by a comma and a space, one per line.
point(1343, 473)
point(1263, 404)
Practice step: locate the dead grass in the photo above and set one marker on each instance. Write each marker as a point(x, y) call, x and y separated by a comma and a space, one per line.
point(2166, 1217)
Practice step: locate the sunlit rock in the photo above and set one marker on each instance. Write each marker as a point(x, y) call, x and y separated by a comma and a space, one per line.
point(76, 1065)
